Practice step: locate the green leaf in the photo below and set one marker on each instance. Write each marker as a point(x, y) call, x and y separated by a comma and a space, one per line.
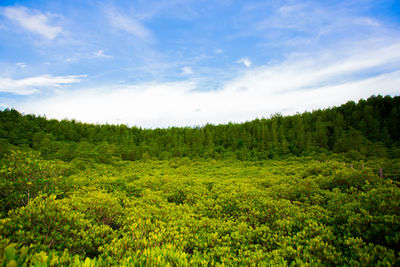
point(10, 252)
point(12, 263)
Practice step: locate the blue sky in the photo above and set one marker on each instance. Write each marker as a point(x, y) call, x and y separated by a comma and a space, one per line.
point(187, 63)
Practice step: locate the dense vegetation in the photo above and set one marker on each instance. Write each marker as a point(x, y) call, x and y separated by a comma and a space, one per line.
point(318, 188)
point(369, 128)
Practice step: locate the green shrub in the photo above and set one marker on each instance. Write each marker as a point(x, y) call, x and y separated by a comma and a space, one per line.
point(23, 175)
point(47, 223)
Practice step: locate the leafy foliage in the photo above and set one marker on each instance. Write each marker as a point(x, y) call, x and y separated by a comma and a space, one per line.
point(23, 174)
point(186, 212)
point(313, 189)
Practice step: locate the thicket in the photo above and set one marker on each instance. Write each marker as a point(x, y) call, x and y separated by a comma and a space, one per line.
point(186, 212)
point(316, 189)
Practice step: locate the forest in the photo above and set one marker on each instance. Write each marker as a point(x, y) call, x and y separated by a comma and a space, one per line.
point(319, 188)
point(368, 128)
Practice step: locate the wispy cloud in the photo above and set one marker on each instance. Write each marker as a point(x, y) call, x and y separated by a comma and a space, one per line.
point(32, 20)
point(297, 25)
point(245, 61)
point(187, 71)
point(101, 54)
point(22, 65)
point(317, 70)
point(70, 60)
point(367, 21)
point(31, 85)
point(129, 24)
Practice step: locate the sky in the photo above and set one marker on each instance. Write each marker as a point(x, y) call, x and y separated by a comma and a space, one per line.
point(188, 63)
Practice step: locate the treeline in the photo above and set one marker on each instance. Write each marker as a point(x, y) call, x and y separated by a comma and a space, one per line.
point(368, 128)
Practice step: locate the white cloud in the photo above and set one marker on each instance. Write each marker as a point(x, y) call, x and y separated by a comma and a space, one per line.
point(31, 85)
point(367, 22)
point(187, 71)
point(128, 24)
point(312, 24)
point(163, 105)
point(33, 21)
point(22, 65)
point(245, 61)
point(290, 10)
point(296, 85)
point(101, 54)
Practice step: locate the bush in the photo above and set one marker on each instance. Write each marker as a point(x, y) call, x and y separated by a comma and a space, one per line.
point(23, 175)
point(47, 223)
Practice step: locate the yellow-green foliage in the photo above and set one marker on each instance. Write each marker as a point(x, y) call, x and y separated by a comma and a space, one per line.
point(47, 223)
point(23, 175)
point(185, 212)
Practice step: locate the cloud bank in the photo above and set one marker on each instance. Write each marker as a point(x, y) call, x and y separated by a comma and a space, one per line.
point(301, 83)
